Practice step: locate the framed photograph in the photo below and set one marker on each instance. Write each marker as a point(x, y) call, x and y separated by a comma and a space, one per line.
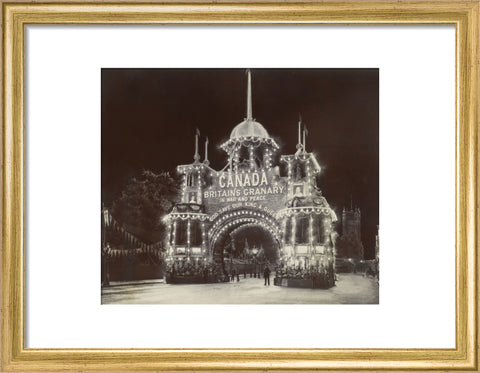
point(240, 186)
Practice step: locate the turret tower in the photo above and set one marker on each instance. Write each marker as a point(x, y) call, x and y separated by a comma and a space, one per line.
point(308, 218)
point(187, 229)
point(250, 147)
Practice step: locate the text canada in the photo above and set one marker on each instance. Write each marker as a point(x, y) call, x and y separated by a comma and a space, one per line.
point(241, 180)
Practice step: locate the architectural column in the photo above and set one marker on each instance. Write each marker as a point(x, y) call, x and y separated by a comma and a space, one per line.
point(251, 157)
point(204, 243)
point(309, 177)
point(326, 229)
point(199, 187)
point(187, 251)
point(174, 236)
point(236, 158)
point(310, 231)
point(169, 239)
point(267, 158)
point(294, 232)
point(184, 189)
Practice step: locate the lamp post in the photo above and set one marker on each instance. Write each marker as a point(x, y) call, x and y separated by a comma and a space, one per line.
point(106, 258)
point(244, 264)
point(105, 251)
point(254, 252)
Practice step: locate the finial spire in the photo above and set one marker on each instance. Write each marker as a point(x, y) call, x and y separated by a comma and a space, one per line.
point(299, 145)
point(206, 151)
point(305, 134)
point(249, 95)
point(196, 157)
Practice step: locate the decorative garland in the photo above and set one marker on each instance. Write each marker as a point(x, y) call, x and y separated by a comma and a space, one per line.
point(185, 216)
point(138, 247)
point(253, 139)
point(305, 211)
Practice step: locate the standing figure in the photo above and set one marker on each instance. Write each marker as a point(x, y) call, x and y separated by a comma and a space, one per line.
point(205, 274)
point(266, 275)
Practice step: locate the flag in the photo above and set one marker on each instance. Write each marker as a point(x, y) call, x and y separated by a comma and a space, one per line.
point(197, 132)
point(305, 129)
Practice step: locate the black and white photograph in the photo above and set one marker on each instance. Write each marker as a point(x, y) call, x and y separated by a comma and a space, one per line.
point(240, 186)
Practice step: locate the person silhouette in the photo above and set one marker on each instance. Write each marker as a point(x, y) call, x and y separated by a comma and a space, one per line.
point(266, 275)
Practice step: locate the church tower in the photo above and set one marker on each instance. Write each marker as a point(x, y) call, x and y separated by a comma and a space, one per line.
point(349, 244)
point(351, 222)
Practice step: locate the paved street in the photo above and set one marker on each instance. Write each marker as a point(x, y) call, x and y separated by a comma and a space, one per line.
point(349, 289)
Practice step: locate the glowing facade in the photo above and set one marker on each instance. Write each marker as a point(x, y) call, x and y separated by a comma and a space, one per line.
point(251, 190)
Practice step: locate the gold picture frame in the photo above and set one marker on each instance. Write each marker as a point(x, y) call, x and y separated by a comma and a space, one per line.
point(464, 15)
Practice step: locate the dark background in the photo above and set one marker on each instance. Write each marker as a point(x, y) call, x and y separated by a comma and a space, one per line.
point(149, 118)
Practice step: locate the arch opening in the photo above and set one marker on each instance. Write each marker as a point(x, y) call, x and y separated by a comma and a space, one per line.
point(246, 243)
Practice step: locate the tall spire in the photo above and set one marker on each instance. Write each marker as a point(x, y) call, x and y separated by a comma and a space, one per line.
point(196, 157)
point(299, 145)
point(305, 134)
point(206, 152)
point(249, 95)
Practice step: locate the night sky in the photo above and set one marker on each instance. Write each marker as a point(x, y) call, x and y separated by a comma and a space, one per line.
point(149, 118)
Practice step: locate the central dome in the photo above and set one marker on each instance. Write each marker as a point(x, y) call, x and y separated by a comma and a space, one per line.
point(249, 128)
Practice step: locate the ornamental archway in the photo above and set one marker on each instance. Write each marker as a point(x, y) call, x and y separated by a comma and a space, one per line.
point(258, 222)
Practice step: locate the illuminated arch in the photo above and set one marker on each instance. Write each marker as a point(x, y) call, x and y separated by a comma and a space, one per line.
point(233, 220)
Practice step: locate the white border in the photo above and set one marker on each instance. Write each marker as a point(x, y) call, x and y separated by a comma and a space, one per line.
point(417, 155)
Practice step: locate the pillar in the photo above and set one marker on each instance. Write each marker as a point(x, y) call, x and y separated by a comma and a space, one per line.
point(187, 251)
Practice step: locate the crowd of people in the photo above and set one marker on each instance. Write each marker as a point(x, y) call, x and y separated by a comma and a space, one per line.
point(319, 275)
point(209, 272)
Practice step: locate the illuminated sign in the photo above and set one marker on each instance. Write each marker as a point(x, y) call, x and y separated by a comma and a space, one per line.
point(244, 186)
point(228, 179)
